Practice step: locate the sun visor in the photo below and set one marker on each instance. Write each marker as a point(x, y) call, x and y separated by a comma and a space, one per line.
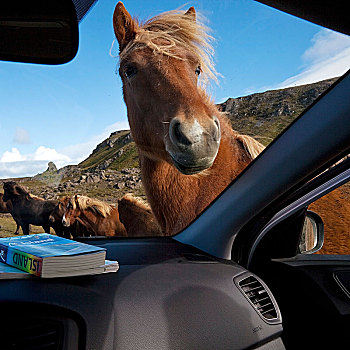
point(38, 31)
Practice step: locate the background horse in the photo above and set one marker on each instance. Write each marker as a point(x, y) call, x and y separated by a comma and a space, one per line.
point(98, 217)
point(137, 217)
point(77, 229)
point(188, 150)
point(29, 209)
point(6, 207)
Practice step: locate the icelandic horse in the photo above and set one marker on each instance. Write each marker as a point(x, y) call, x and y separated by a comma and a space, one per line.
point(98, 217)
point(137, 217)
point(77, 229)
point(6, 207)
point(187, 148)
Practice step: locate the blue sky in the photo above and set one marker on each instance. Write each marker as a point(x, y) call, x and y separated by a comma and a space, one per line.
point(60, 113)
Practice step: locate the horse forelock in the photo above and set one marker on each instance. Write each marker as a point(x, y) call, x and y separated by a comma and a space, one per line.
point(95, 205)
point(170, 30)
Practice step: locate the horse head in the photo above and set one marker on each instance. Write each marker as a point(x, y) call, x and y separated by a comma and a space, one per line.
point(72, 211)
point(13, 191)
point(60, 210)
point(171, 118)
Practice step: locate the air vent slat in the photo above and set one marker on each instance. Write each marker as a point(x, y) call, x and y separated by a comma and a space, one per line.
point(252, 289)
point(263, 305)
point(269, 310)
point(258, 296)
point(40, 335)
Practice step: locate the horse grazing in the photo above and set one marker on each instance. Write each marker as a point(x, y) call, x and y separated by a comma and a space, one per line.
point(29, 209)
point(77, 229)
point(187, 148)
point(137, 217)
point(98, 217)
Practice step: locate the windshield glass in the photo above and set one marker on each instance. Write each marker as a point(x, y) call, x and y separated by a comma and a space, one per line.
point(199, 111)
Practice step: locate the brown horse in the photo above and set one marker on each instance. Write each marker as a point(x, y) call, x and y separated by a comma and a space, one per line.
point(188, 150)
point(98, 217)
point(6, 207)
point(334, 210)
point(137, 217)
point(77, 229)
point(27, 209)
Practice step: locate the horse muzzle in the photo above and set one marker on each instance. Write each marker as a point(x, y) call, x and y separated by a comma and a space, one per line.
point(65, 221)
point(192, 146)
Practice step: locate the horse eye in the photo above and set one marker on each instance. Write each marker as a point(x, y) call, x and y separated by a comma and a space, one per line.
point(130, 71)
point(198, 70)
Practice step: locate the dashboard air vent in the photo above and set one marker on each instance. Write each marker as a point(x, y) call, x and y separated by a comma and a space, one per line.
point(259, 297)
point(36, 334)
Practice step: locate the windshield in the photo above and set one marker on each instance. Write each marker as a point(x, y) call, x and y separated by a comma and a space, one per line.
point(139, 144)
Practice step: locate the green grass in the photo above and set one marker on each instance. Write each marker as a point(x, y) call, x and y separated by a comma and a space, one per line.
point(8, 227)
point(129, 158)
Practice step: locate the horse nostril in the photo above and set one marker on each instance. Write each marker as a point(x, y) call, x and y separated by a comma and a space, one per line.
point(176, 134)
point(217, 130)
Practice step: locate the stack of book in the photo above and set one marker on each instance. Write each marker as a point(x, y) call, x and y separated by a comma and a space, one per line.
point(49, 256)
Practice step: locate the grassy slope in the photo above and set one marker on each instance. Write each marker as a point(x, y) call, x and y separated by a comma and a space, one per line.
point(104, 152)
point(265, 115)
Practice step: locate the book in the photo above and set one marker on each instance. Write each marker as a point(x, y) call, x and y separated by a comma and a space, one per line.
point(46, 255)
point(9, 272)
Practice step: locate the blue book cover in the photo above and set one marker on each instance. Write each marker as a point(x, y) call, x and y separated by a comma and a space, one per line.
point(44, 245)
point(28, 253)
point(7, 271)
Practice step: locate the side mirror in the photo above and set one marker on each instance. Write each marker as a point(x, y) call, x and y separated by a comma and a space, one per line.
point(38, 31)
point(312, 236)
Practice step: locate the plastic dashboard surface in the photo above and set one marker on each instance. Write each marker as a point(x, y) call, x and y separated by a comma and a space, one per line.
point(166, 295)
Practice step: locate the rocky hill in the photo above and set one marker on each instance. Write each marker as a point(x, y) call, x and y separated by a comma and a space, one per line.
point(264, 115)
point(115, 153)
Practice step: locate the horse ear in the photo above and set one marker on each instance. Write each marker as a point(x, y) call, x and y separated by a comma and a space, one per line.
point(76, 200)
point(124, 26)
point(191, 12)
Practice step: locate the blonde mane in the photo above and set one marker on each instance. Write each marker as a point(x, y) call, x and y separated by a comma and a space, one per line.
point(95, 205)
point(172, 29)
point(130, 200)
point(252, 146)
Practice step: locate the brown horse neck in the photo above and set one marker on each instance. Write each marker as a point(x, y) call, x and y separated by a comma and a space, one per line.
point(88, 218)
point(177, 199)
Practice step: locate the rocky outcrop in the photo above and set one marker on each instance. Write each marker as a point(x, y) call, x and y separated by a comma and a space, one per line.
point(51, 167)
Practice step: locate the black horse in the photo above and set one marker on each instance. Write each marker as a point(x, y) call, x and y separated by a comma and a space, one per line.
point(28, 209)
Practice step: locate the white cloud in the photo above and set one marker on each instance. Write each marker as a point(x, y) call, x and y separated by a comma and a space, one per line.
point(15, 164)
point(12, 156)
point(21, 168)
point(327, 57)
point(21, 136)
point(49, 154)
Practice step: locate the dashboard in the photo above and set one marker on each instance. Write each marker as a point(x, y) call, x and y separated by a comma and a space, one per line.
point(166, 295)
